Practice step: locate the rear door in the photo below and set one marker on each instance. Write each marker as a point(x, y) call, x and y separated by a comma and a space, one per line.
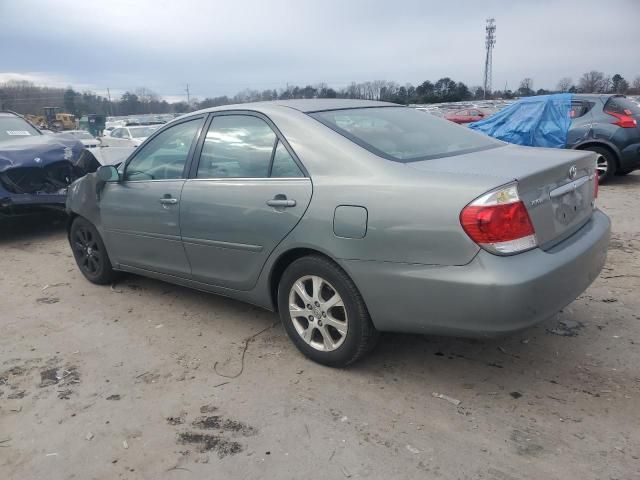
point(581, 122)
point(244, 195)
point(141, 213)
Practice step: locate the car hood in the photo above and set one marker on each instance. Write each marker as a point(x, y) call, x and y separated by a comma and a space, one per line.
point(38, 151)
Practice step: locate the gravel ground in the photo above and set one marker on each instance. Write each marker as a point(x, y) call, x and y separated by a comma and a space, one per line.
point(147, 380)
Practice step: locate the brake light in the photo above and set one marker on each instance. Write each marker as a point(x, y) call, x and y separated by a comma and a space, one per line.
point(499, 222)
point(624, 121)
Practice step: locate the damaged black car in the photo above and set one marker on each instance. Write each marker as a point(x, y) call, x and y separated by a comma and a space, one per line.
point(36, 169)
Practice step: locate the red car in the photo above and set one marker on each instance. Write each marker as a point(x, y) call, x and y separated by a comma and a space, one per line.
point(465, 116)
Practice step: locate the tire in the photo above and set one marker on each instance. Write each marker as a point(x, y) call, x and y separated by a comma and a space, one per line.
point(623, 172)
point(90, 253)
point(338, 335)
point(607, 163)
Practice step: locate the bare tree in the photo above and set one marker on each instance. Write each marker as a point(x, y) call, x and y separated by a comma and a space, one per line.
point(592, 82)
point(636, 85)
point(526, 87)
point(565, 84)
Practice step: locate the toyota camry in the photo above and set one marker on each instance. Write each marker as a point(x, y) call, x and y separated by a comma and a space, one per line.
point(348, 218)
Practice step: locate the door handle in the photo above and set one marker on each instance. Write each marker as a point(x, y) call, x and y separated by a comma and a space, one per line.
point(168, 201)
point(281, 201)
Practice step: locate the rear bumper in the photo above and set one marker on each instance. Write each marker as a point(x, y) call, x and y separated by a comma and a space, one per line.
point(491, 295)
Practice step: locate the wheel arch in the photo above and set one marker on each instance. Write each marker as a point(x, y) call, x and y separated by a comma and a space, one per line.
point(606, 145)
point(283, 261)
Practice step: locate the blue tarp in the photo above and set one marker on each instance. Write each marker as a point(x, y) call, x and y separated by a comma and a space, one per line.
point(541, 121)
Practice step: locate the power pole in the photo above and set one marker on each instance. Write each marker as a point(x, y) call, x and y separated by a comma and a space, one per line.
point(109, 95)
point(490, 41)
point(188, 95)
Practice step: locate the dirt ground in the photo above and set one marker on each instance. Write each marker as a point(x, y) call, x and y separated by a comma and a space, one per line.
point(145, 380)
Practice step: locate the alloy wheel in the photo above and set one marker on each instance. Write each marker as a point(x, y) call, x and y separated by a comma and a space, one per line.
point(87, 251)
point(602, 166)
point(318, 313)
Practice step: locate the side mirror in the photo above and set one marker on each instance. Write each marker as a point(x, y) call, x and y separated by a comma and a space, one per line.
point(108, 173)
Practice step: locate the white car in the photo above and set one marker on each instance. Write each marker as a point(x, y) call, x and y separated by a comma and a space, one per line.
point(128, 136)
point(88, 140)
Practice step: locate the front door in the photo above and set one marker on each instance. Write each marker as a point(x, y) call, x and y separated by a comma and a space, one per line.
point(247, 194)
point(140, 213)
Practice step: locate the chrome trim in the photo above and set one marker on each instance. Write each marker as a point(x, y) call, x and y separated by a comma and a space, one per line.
point(221, 244)
point(157, 236)
point(248, 179)
point(569, 187)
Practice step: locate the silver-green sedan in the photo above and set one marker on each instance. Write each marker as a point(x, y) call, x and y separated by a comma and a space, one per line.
point(348, 218)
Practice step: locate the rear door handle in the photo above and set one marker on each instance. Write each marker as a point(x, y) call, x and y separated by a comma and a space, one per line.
point(281, 201)
point(168, 201)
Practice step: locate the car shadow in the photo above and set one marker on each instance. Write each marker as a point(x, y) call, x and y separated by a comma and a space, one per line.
point(629, 179)
point(31, 227)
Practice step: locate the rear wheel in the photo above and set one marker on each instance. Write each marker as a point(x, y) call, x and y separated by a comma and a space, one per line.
point(324, 313)
point(606, 163)
point(90, 253)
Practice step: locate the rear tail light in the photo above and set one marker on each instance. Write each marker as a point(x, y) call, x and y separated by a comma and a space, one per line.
point(596, 185)
point(624, 121)
point(499, 222)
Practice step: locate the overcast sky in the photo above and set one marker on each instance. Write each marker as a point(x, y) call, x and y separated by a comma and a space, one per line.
point(221, 47)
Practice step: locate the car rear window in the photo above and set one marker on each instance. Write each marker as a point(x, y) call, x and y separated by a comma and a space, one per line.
point(403, 134)
point(622, 105)
point(15, 127)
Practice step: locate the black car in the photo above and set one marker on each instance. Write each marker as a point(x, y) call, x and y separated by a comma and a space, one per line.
point(36, 169)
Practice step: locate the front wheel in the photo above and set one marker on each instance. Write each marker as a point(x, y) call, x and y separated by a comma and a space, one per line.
point(323, 312)
point(90, 253)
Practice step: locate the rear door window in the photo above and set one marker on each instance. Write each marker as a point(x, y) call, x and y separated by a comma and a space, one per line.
point(284, 166)
point(237, 146)
point(578, 109)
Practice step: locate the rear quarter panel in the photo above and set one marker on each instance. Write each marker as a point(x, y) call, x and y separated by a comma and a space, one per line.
point(413, 216)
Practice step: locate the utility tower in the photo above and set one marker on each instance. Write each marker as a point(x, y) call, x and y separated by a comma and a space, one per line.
point(490, 41)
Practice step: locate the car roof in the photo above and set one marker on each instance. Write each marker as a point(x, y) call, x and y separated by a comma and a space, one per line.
point(303, 105)
point(596, 95)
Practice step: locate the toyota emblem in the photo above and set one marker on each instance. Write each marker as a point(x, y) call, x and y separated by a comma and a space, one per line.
point(573, 171)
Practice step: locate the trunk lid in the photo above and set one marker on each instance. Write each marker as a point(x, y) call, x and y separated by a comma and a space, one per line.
point(556, 186)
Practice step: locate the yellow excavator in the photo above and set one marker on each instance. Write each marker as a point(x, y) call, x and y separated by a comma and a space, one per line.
point(53, 119)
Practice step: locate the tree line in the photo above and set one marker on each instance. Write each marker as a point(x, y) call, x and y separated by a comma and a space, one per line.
point(25, 97)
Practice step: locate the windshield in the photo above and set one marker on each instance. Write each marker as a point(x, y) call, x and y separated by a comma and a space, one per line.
point(403, 134)
point(142, 132)
point(15, 127)
point(82, 135)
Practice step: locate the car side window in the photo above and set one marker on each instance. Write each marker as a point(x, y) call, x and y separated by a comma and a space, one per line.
point(124, 133)
point(116, 132)
point(577, 109)
point(284, 166)
point(164, 157)
point(237, 146)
